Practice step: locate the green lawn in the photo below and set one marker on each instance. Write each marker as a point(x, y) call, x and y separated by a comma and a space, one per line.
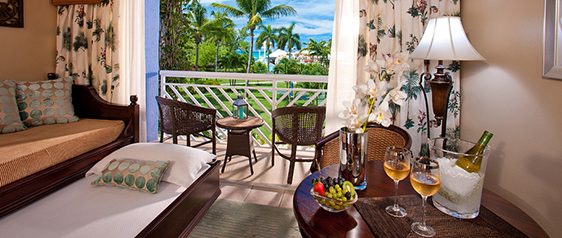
point(258, 84)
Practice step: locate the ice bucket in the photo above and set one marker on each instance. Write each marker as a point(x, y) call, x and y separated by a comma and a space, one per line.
point(460, 191)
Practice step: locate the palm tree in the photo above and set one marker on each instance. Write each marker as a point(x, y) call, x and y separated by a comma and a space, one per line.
point(289, 39)
point(222, 29)
point(198, 25)
point(254, 10)
point(268, 37)
point(171, 32)
point(319, 49)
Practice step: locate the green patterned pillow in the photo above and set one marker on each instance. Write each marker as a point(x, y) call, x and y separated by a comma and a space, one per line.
point(141, 175)
point(45, 102)
point(9, 114)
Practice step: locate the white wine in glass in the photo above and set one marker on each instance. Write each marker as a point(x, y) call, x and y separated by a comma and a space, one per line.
point(397, 167)
point(425, 179)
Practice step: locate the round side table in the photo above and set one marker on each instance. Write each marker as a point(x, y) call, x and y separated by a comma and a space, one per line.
point(239, 141)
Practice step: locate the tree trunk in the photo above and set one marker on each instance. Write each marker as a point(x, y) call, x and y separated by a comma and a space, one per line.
point(251, 52)
point(289, 46)
point(267, 51)
point(196, 56)
point(217, 57)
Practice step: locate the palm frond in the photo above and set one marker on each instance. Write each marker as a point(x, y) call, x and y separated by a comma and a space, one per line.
point(229, 9)
point(279, 10)
point(245, 6)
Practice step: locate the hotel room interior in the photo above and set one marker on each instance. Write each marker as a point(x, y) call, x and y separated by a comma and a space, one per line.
point(107, 163)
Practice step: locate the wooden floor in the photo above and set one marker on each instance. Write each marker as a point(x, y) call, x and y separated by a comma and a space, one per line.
point(268, 185)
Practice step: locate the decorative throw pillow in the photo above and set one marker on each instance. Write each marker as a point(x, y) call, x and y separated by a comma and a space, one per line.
point(141, 175)
point(46, 102)
point(9, 115)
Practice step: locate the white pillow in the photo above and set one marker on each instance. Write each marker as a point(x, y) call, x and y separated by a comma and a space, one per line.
point(185, 162)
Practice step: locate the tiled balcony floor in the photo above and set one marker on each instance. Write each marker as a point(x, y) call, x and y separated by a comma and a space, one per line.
point(268, 185)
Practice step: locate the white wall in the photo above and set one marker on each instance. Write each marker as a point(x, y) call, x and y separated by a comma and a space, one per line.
point(29, 53)
point(507, 95)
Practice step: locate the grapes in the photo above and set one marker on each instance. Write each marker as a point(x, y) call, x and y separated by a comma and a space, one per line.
point(337, 192)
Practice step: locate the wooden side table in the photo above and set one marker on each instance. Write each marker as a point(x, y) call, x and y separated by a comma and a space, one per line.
point(239, 141)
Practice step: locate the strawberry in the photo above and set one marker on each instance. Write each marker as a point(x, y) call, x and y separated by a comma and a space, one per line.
point(319, 188)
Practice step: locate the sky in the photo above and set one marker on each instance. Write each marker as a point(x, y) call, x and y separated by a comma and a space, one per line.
point(314, 18)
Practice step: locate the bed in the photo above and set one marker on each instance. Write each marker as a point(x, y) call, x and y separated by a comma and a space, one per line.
point(83, 210)
point(176, 218)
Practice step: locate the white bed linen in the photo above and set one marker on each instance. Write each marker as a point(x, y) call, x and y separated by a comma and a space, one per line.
point(82, 210)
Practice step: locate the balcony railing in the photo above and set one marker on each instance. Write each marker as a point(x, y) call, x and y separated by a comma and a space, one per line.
point(264, 93)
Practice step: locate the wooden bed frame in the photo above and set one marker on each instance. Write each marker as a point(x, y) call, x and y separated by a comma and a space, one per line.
point(178, 219)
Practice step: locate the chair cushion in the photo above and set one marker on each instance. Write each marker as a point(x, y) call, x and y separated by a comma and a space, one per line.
point(37, 148)
point(46, 102)
point(9, 114)
point(140, 175)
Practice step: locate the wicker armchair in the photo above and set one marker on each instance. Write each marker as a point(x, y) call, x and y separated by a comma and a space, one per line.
point(180, 118)
point(297, 126)
point(380, 137)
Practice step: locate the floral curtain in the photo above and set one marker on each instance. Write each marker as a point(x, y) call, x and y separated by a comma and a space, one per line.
point(388, 27)
point(87, 46)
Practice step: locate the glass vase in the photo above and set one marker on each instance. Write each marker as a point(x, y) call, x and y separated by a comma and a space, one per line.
point(353, 157)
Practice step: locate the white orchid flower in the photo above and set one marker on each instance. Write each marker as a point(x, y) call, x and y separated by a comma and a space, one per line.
point(355, 114)
point(354, 109)
point(372, 89)
point(373, 66)
point(396, 63)
point(361, 90)
point(397, 96)
point(382, 115)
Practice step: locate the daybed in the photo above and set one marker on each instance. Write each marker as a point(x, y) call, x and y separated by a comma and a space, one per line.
point(177, 217)
point(40, 160)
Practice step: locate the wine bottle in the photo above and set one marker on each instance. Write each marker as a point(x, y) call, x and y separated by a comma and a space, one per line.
point(472, 163)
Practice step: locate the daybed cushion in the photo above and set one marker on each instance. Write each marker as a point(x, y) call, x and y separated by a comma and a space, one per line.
point(133, 174)
point(185, 162)
point(37, 148)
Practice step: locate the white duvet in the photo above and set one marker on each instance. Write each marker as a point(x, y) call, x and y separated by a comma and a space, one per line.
point(83, 210)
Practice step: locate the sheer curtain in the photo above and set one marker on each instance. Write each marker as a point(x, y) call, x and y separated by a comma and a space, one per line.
point(388, 27)
point(343, 61)
point(132, 57)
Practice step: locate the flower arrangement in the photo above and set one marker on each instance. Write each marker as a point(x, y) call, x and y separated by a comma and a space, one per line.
point(375, 98)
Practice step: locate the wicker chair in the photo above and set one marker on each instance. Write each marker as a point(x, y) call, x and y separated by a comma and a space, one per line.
point(297, 126)
point(380, 137)
point(180, 118)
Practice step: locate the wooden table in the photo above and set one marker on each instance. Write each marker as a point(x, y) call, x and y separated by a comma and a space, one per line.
point(315, 222)
point(239, 140)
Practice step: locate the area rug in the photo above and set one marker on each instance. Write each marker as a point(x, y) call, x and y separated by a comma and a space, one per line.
point(236, 219)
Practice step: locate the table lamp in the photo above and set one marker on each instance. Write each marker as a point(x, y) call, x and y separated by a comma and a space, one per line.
point(444, 39)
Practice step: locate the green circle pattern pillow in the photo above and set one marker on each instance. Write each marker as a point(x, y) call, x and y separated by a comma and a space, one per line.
point(45, 102)
point(9, 114)
point(140, 175)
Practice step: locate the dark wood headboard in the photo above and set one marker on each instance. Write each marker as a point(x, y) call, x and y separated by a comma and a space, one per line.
point(88, 104)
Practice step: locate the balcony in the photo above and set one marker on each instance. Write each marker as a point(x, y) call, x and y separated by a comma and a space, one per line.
point(264, 93)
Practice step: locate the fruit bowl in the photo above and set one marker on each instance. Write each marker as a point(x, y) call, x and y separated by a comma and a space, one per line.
point(332, 205)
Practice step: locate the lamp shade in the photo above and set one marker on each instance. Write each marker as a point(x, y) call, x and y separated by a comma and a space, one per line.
point(445, 39)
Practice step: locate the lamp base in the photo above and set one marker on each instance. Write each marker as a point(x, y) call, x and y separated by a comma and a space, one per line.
point(441, 85)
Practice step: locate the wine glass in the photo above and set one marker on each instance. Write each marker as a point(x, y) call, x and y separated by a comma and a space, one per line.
point(425, 179)
point(397, 167)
